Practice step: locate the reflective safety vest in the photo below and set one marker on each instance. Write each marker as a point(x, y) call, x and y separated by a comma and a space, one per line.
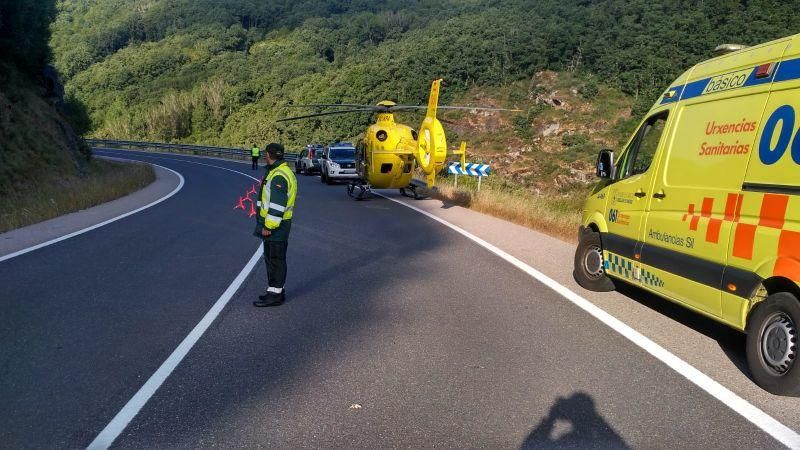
point(255, 152)
point(277, 206)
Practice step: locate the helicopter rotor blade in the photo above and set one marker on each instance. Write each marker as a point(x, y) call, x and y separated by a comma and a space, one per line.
point(330, 105)
point(328, 113)
point(466, 108)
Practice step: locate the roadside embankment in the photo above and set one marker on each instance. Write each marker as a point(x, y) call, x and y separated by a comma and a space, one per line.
point(557, 216)
point(103, 182)
point(166, 184)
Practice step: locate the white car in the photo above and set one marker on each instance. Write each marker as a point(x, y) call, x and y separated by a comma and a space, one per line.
point(339, 163)
point(309, 160)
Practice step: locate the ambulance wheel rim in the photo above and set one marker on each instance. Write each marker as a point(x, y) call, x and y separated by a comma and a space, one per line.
point(593, 261)
point(779, 343)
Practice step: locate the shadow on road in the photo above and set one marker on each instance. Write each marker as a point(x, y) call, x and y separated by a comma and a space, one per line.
point(347, 277)
point(573, 422)
point(729, 340)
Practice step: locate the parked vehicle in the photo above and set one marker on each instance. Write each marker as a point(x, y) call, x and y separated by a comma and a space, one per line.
point(339, 163)
point(309, 160)
point(702, 206)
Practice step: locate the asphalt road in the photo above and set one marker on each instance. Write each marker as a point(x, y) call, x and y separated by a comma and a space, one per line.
point(398, 332)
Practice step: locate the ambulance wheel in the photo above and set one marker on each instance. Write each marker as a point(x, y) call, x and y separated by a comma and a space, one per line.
point(590, 272)
point(773, 344)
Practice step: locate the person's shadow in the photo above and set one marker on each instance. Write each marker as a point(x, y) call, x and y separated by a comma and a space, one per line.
point(573, 423)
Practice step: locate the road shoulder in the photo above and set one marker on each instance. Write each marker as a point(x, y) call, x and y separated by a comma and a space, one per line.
point(710, 347)
point(25, 237)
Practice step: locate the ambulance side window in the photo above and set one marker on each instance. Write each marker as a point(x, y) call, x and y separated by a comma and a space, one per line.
point(643, 149)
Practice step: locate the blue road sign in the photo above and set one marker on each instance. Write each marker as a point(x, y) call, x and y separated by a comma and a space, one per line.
point(475, 170)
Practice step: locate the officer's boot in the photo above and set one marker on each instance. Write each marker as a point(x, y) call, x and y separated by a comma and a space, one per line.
point(269, 299)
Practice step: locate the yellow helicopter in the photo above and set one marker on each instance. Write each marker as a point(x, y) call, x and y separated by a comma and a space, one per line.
point(390, 153)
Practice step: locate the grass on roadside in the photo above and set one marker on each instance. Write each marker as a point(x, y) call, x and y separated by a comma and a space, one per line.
point(556, 216)
point(46, 199)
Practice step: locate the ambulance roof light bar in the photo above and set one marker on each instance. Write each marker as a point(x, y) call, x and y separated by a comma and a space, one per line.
point(724, 49)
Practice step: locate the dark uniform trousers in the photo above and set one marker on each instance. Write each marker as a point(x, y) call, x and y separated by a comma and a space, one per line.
point(275, 259)
point(255, 162)
point(273, 211)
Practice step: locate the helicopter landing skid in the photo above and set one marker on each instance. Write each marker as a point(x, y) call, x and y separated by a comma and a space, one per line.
point(415, 192)
point(358, 190)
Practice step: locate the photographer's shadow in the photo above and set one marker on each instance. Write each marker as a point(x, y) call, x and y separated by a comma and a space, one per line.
point(573, 423)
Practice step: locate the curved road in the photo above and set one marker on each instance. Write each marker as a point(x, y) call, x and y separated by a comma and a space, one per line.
point(398, 332)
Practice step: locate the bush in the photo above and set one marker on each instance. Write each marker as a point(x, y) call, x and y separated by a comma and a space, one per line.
point(589, 90)
point(522, 126)
point(574, 140)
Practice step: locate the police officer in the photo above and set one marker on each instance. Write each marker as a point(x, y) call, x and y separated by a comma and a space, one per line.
point(274, 221)
point(255, 153)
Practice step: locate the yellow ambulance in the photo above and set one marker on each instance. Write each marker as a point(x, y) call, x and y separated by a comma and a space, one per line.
point(702, 205)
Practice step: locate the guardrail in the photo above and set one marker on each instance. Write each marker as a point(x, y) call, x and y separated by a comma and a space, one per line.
point(220, 152)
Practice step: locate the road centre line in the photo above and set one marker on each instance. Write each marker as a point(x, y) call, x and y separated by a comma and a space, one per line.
point(759, 418)
point(117, 425)
point(101, 224)
point(109, 434)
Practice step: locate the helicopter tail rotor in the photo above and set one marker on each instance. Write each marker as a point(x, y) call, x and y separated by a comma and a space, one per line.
point(432, 143)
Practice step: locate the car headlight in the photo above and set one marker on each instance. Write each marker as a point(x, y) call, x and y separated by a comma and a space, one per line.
point(335, 166)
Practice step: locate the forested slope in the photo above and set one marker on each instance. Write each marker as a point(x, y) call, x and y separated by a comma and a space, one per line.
point(220, 71)
point(36, 142)
point(46, 168)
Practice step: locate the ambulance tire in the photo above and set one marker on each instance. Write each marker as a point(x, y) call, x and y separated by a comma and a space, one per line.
point(773, 344)
point(589, 272)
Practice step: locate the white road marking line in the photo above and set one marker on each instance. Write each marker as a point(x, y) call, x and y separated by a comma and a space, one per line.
point(114, 428)
point(109, 434)
point(96, 226)
point(759, 418)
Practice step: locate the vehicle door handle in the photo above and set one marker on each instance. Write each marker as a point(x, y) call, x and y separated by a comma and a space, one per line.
point(640, 194)
point(659, 195)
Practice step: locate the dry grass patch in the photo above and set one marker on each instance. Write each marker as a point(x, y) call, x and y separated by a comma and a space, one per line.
point(46, 199)
point(558, 217)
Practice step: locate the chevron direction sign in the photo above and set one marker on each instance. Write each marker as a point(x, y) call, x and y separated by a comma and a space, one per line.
point(475, 170)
